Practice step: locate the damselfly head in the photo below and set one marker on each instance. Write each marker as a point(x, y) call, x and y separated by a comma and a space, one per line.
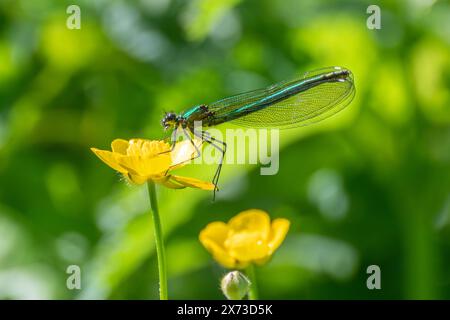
point(169, 121)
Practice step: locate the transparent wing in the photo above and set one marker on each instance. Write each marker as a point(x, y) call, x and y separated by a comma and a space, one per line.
point(313, 105)
point(306, 107)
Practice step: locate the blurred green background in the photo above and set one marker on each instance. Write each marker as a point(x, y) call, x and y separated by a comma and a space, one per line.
point(370, 185)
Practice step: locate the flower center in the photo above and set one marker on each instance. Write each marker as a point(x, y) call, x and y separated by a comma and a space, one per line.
point(146, 148)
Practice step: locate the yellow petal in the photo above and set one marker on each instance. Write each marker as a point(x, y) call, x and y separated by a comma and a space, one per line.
point(249, 232)
point(251, 221)
point(147, 148)
point(136, 179)
point(145, 166)
point(168, 182)
point(193, 183)
point(119, 146)
point(134, 147)
point(110, 159)
point(246, 246)
point(216, 232)
point(212, 238)
point(185, 151)
point(280, 228)
point(153, 148)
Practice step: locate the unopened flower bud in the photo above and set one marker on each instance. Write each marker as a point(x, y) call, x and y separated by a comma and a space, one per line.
point(235, 285)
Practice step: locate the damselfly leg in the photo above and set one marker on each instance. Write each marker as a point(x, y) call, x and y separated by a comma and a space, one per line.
point(206, 136)
point(173, 143)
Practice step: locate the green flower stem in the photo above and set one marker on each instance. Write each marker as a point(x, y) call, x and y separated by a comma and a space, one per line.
point(159, 240)
point(253, 292)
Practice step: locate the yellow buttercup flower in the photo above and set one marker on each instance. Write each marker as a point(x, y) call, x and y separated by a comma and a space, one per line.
point(140, 160)
point(247, 238)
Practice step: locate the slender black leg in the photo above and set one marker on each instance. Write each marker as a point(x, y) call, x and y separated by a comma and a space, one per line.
point(205, 136)
point(173, 137)
point(173, 143)
point(219, 167)
point(186, 134)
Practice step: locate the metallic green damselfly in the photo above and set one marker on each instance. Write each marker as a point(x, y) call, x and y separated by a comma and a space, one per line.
point(313, 97)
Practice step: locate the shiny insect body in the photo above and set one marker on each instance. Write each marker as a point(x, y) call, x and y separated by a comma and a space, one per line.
point(311, 98)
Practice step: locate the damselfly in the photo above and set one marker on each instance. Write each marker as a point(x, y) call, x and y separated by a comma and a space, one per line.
point(313, 97)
